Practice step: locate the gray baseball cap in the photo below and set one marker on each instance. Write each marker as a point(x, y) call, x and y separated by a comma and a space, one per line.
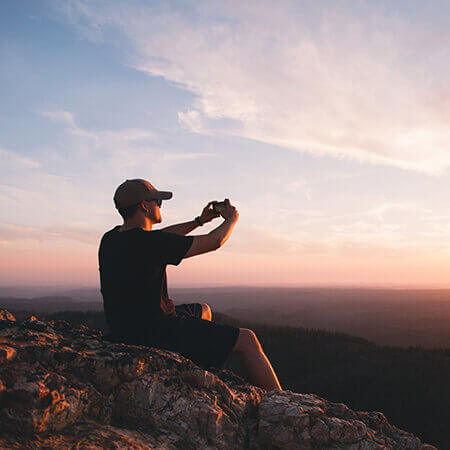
point(132, 192)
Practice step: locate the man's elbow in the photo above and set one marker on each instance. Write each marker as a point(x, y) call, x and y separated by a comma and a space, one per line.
point(213, 242)
point(218, 243)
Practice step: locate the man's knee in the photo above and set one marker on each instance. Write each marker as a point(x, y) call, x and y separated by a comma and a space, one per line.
point(206, 311)
point(246, 342)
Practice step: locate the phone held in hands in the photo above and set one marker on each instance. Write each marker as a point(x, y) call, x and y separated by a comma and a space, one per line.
point(218, 206)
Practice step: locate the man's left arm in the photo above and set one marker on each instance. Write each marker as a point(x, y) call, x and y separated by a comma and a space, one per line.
point(181, 228)
point(186, 227)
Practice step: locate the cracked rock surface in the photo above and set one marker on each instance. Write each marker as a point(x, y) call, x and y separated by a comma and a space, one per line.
point(63, 386)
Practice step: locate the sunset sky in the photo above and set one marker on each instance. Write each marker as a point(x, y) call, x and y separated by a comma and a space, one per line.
point(326, 123)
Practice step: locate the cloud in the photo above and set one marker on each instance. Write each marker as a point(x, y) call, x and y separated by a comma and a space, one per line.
point(105, 138)
point(74, 181)
point(59, 116)
point(252, 240)
point(182, 156)
point(116, 154)
point(11, 159)
point(193, 121)
point(357, 83)
point(368, 234)
point(13, 233)
point(105, 154)
point(380, 211)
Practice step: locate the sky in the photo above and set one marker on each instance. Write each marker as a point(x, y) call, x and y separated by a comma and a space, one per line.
point(326, 123)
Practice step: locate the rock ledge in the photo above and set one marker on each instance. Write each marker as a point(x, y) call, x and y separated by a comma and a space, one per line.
point(67, 387)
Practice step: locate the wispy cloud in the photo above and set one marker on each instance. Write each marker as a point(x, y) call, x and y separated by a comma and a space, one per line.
point(12, 159)
point(117, 153)
point(181, 156)
point(380, 211)
point(99, 139)
point(357, 83)
point(193, 121)
point(11, 233)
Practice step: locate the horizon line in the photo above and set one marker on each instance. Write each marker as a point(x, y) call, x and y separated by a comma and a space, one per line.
point(237, 286)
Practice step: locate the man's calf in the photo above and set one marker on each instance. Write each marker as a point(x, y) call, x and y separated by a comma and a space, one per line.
point(250, 352)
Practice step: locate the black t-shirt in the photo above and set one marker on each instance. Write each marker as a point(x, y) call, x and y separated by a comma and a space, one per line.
point(133, 279)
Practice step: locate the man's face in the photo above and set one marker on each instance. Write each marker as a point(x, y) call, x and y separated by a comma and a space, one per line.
point(154, 212)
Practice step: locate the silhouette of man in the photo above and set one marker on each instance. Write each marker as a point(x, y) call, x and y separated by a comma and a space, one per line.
point(133, 281)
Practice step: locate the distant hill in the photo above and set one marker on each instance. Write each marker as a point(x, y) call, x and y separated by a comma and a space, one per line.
point(401, 317)
point(47, 304)
point(385, 316)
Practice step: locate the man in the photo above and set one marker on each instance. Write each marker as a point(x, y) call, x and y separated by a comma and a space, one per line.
point(133, 280)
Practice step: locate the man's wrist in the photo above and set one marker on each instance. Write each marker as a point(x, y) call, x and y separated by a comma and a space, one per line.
point(198, 221)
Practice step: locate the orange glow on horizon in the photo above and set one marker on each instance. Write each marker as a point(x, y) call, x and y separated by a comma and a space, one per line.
point(45, 265)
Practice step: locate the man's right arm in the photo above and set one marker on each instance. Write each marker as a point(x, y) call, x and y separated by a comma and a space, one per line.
point(217, 237)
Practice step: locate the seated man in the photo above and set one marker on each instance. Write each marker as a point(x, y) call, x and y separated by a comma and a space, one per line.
point(133, 281)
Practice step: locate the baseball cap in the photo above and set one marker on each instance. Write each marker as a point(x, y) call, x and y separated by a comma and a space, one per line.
point(132, 192)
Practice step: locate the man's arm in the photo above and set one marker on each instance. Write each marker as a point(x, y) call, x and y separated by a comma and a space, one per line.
point(181, 228)
point(214, 239)
point(186, 227)
point(217, 237)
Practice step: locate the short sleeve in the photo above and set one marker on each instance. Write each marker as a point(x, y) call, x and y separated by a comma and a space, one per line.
point(170, 247)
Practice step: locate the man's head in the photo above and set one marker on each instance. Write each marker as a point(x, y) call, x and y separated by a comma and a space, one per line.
point(139, 197)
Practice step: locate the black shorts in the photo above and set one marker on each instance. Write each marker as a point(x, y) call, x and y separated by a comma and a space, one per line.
point(205, 342)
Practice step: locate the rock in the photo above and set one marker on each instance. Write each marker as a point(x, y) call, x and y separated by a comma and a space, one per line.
point(64, 386)
point(6, 315)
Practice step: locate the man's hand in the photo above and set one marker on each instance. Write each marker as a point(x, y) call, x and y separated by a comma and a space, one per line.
point(229, 212)
point(208, 213)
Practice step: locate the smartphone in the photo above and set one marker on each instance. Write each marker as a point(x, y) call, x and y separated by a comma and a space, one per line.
point(218, 206)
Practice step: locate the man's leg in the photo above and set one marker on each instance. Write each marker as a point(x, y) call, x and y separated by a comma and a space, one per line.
point(206, 312)
point(258, 366)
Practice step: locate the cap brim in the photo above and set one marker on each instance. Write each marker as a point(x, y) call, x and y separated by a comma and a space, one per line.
point(162, 195)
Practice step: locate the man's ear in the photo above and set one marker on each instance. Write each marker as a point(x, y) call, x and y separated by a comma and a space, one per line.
point(142, 205)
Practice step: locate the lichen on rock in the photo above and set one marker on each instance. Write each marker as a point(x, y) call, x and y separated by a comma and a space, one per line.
point(64, 386)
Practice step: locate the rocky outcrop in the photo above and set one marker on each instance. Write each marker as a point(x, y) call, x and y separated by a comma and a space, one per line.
point(67, 387)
